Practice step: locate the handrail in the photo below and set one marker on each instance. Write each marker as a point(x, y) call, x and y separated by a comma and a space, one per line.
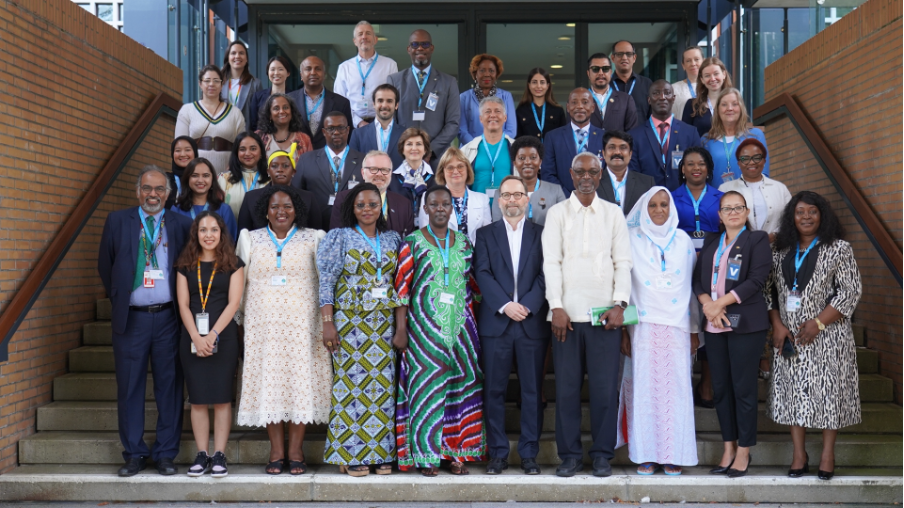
point(786, 104)
point(40, 275)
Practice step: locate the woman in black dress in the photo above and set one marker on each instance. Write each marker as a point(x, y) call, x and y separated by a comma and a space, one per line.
point(209, 289)
point(538, 112)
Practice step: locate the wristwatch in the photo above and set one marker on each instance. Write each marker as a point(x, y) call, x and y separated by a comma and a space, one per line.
point(819, 324)
point(622, 305)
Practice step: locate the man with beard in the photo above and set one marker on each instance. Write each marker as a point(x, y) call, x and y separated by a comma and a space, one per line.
point(626, 186)
point(562, 144)
point(377, 169)
point(137, 252)
point(314, 101)
point(615, 111)
point(383, 134)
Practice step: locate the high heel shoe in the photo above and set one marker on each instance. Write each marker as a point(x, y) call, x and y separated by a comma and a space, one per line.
point(736, 473)
point(797, 473)
point(720, 469)
point(826, 475)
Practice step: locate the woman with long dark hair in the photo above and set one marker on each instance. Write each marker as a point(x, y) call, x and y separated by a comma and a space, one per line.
point(200, 193)
point(280, 128)
point(184, 150)
point(239, 84)
point(247, 170)
point(538, 112)
point(279, 69)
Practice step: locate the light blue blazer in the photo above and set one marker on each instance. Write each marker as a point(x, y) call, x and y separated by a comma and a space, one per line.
point(471, 127)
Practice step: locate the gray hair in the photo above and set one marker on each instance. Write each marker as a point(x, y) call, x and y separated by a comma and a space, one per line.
point(150, 168)
point(493, 99)
point(516, 178)
point(374, 153)
point(585, 153)
point(362, 22)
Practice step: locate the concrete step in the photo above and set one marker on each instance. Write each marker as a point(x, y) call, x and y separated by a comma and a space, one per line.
point(85, 482)
point(104, 310)
point(98, 333)
point(253, 447)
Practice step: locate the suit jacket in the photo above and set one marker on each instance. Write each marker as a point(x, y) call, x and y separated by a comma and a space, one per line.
point(636, 186)
point(441, 125)
point(479, 214)
point(496, 278)
point(248, 220)
point(118, 256)
point(639, 92)
point(401, 214)
point(701, 123)
point(314, 175)
point(527, 125)
point(541, 200)
point(331, 102)
point(647, 157)
point(621, 113)
point(752, 248)
point(255, 103)
point(365, 139)
point(560, 151)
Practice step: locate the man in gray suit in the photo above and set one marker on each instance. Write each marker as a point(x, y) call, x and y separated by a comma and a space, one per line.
point(429, 97)
point(330, 169)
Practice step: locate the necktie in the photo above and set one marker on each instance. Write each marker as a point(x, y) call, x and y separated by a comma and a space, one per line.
point(421, 75)
point(663, 132)
point(581, 135)
point(144, 244)
point(336, 161)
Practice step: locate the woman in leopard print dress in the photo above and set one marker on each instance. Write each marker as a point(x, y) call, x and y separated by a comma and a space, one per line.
point(812, 293)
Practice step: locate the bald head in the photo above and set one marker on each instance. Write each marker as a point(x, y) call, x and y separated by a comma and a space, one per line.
point(580, 106)
point(420, 48)
point(312, 72)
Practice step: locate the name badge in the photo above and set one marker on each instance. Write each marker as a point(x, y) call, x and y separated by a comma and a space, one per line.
point(333, 196)
point(202, 322)
point(727, 176)
point(793, 302)
point(491, 192)
point(418, 116)
point(734, 269)
point(379, 292)
point(278, 280)
point(432, 101)
point(154, 274)
point(351, 184)
point(447, 298)
point(677, 155)
point(664, 281)
point(698, 243)
point(148, 281)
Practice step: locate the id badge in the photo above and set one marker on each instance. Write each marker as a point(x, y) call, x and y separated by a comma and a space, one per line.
point(491, 192)
point(728, 176)
point(333, 196)
point(432, 101)
point(202, 322)
point(664, 281)
point(418, 116)
point(677, 155)
point(447, 298)
point(698, 243)
point(351, 184)
point(734, 269)
point(148, 280)
point(379, 293)
point(278, 280)
point(793, 302)
point(155, 274)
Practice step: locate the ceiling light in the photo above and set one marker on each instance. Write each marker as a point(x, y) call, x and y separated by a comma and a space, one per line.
point(506, 81)
point(382, 38)
point(557, 66)
point(569, 25)
point(563, 38)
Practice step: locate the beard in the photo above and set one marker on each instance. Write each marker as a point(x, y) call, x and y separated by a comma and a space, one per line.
point(152, 209)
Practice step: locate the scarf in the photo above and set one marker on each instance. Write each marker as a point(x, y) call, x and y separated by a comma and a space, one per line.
point(414, 178)
point(479, 94)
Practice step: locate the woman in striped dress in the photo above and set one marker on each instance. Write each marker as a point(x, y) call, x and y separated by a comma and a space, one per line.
point(439, 407)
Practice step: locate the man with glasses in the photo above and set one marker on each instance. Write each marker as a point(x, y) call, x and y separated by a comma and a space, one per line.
point(396, 208)
point(661, 140)
point(618, 185)
point(625, 80)
point(359, 76)
point(314, 100)
point(330, 169)
point(587, 264)
point(508, 265)
point(384, 133)
point(430, 98)
point(615, 111)
point(135, 261)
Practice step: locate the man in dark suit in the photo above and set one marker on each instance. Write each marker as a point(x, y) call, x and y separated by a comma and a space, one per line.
point(508, 262)
point(430, 99)
point(314, 101)
point(330, 169)
point(377, 169)
point(563, 144)
point(615, 111)
point(658, 152)
point(383, 134)
point(138, 251)
point(625, 80)
point(281, 172)
point(623, 187)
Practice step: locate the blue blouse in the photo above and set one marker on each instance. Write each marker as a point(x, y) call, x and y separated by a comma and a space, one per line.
point(725, 159)
point(225, 213)
point(469, 124)
point(709, 209)
point(487, 175)
point(347, 267)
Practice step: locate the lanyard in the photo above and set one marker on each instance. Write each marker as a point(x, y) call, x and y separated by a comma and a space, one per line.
point(178, 185)
point(539, 121)
point(530, 206)
point(709, 104)
point(364, 76)
point(384, 136)
point(691, 88)
point(581, 146)
point(719, 255)
point(661, 250)
point(316, 104)
point(280, 246)
point(377, 251)
point(155, 239)
point(205, 297)
point(421, 86)
point(337, 171)
point(253, 182)
point(799, 259)
point(486, 147)
point(616, 185)
point(192, 209)
point(237, 93)
point(443, 252)
point(696, 203)
point(632, 85)
point(459, 215)
point(148, 234)
point(385, 203)
point(728, 151)
point(665, 139)
point(601, 105)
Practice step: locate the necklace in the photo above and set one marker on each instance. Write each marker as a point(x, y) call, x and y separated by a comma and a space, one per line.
point(289, 135)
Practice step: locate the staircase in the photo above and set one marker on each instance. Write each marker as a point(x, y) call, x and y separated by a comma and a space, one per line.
point(76, 452)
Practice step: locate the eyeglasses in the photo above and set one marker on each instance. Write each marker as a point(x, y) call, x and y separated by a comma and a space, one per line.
point(373, 205)
point(756, 159)
point(335, 130)
point(665, 94)
point(512, 195)
point(727, 210)
point(532, 158)
point(212, 81)
point(623, 54)
point(147, 189)
point(422, 44)
point(460, 169)
point(378, 171)
point(581, 173)
point(597, 68)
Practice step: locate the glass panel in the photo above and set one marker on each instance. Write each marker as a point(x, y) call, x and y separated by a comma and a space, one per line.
point(768, 45)
point(87, 7)
point(655, 44)
point(798, 27)
point(105, 12)
point(524, 46)
point(119, 10)
point(191, 49)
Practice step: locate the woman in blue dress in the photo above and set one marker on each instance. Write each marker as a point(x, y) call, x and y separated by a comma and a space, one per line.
point(200, 193)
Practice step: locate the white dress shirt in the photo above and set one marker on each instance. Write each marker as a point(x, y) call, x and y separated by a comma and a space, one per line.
point(380, 133)
point(601, 99)
point(348, 82)
point(514, 242)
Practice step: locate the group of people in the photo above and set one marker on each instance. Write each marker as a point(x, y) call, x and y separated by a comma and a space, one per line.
point(349, 283)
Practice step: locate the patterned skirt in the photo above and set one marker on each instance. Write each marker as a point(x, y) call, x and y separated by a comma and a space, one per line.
point(362, 417)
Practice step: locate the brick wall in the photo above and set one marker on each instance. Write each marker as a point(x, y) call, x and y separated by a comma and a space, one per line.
point(848, 80)
point(71, 87)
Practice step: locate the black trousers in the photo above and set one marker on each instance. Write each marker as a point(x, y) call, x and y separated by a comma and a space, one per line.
point(498, 353)
point(598, 352)
point(733, 361)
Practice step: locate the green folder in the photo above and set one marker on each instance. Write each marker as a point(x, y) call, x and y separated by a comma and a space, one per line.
point(596, 313)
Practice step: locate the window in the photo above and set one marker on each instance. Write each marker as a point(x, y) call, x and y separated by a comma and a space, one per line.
point(524, 46)
point(655, 45)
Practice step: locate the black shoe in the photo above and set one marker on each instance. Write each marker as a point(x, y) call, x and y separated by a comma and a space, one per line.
point(201, 465)
point(166, 467)
point(133, 466)
point(569, 468)
point(736, 473)
point(497, 466)
point(720, 469)
point(700, 401)
point(529, 466)
point(218, 465)
point(797, 473)
point(601, 467)
point(826, 475)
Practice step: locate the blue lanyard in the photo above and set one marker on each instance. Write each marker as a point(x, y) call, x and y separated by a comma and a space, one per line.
point(421, 86)
point(443, 252)
point(661, 250)
point(530, 206)
point(377, 251)
point(691, 88)
point(539, 121)
point(316, 105)
point(696, 203)
point(581, 146)
point(192, 209)
point(253, 182)
point(364, 76)
point(599, 104)
point(279, 246)
point(337, 170)
point(152, 236)
point(665, 139)
point(719, 255)
point(464, 205)
point(616, 186)
point(384, 137)
point(178, 185)
point(486, 147)
point(799, 259)
point(632, 85)
point(728, 151)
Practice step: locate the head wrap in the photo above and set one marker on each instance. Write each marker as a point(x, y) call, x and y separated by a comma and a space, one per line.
point(282, 153)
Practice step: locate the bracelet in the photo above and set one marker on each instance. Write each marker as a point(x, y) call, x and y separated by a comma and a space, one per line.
point(326, 319)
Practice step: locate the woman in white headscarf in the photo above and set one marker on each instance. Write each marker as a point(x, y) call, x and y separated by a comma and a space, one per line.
point(656, 412)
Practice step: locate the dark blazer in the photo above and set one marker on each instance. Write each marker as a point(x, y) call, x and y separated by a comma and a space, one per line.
point(331, 102)
point(636, 186)
point(257, 101)
point(527, 126)
point(701, 123)
point(118, 256)
point(639, 93)
point(247, 219)
point(756, 263)
point(314, 175)
point(365, 140)
point(647, 157)
point(560, 151)
point(621, 113)
point(495, 277)
point(401, 215)
point(441, 125)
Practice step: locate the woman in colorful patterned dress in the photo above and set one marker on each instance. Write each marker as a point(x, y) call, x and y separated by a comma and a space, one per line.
point(439, 411)
point(357, 302)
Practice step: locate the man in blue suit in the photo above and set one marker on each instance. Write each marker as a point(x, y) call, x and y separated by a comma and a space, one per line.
point(660, 142)
point(563, 144)
point(138, 251)
point(383, 134)
point(508, 261)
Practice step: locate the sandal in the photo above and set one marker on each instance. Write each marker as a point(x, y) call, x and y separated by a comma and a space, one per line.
point(277, 466)
point(383, 469)
point(460, 467)
point(430, 472)
point(671, 470)
point(297, 464)
point(356, 471)
point(647, 468)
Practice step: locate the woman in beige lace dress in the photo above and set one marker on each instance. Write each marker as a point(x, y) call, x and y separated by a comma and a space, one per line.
point(288, 376)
